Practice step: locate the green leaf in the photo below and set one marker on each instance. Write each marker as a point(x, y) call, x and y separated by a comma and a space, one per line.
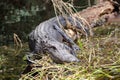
point(80, 44)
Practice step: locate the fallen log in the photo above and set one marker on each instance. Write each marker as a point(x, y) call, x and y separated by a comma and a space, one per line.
point(101, 13)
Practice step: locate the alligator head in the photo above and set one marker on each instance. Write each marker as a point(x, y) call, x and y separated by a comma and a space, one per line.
point(62, 53)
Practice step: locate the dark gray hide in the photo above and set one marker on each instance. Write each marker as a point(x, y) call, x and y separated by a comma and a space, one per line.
point(48, 37)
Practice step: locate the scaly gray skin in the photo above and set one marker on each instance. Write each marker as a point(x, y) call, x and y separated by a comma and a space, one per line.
point(48, 37)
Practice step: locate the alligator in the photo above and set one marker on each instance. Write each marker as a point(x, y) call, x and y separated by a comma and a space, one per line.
point(49, 37)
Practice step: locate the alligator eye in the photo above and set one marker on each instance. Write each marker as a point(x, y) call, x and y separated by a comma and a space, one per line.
point(45, 36)
point(53, 47)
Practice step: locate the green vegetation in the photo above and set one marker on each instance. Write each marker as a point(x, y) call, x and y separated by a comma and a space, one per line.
point(12, 62)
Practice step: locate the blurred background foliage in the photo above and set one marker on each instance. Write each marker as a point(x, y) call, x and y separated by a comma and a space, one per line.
point(20, 16)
